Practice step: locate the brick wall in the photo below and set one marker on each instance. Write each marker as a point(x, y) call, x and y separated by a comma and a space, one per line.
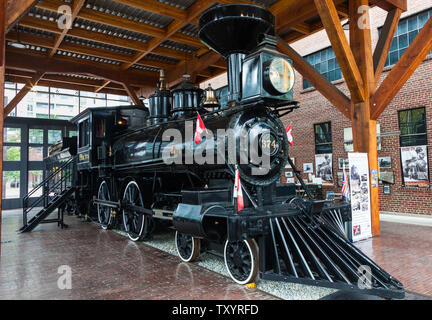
point(314, 108)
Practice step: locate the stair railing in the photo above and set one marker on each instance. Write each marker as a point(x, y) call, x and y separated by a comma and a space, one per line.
point(55, 184)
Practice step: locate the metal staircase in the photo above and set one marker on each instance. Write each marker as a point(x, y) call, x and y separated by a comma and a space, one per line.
point(57, 188)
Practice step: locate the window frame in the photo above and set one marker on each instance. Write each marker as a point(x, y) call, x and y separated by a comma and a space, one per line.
point(401, 136)
point(408, 33)
point(330, 55)
point(326, 143)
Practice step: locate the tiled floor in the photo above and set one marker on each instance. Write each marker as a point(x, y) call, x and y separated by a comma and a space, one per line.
point(104, 265)
point(404, 251)
point(107, 266)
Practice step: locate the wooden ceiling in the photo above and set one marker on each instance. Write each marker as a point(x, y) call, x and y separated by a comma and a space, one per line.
point(118, 46)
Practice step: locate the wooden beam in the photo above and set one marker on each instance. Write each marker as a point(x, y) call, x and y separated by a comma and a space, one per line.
point(31, 61)
point(107, 82)
point(156, 7)
point(131, 93)
point(70, 86)
point(385, 40)
point(16, 9)
point(220, 64)
point(87, 50)
point(304, 28)
point(341, 47)
point(390, 5)
point(193, 11)
point(402, 71)
point(121, 23)
point(196, 65)
point(327, 89)
point(76, 7)
point(23, 92)
point(292, 12)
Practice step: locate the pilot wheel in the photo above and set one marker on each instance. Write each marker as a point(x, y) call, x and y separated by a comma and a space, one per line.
point(241, 260)
point(188, 247)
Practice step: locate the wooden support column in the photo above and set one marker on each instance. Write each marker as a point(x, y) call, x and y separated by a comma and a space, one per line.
point(3, 8)
point(364, 129)
point(131, 92)
point(23, 92)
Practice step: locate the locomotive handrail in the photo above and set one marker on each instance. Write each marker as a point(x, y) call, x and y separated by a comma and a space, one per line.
point(50, 185)
point(47, 179)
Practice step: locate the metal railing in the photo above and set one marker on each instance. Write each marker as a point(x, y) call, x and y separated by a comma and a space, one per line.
point(58, 181)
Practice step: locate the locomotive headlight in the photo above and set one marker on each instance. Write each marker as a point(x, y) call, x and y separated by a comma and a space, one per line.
point(278, 76)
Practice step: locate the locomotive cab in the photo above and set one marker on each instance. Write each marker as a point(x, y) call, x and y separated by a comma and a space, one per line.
point(96, 128)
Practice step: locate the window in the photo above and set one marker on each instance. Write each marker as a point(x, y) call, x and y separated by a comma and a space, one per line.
point(12, 135)
point(36, 136)
point(56, 103)
point(35, 154)
point(406, 32)
point(54, 136)
point(11, 153)
point(35, 177)
point(412, 126)
point(84, 138)
point(11, 184)
point(323, 138)
point(324, 62)
point(100, 128)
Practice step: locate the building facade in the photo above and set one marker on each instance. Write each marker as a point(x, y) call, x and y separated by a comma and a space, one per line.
point(405, 127)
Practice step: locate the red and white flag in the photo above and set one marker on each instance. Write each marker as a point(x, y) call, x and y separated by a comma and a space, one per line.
point(290, 135)
point(238, 192)
point(200, 128)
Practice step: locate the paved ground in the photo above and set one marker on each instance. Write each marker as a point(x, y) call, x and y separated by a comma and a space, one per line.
point(404, 251)
point(107, 266)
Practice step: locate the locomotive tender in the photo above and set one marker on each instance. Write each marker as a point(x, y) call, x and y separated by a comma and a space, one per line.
point(125, 181)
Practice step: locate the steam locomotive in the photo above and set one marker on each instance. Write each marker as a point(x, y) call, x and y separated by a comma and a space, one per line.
point(131, 177)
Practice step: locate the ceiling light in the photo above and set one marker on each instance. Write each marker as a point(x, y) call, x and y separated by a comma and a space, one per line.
point(18, 45)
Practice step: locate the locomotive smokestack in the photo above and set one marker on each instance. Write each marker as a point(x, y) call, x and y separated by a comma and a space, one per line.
point(234, 30)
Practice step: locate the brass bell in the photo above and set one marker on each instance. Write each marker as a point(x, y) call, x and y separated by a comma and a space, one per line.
point(210, 100)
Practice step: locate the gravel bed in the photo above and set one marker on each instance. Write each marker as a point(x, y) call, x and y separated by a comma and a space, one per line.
point(164, 240)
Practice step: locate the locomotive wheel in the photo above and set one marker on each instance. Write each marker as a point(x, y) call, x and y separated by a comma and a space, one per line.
point(188, 247)
point(134, 222)
point(104, 213)
point(241, 260)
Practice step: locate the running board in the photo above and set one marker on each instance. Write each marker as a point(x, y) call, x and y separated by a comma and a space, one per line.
point(306, 250)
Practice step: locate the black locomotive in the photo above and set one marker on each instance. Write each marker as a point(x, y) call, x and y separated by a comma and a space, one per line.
point(124, 179)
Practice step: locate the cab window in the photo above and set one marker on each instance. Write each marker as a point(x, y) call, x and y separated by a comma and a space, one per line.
point(100, 128)
point(84, 135)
